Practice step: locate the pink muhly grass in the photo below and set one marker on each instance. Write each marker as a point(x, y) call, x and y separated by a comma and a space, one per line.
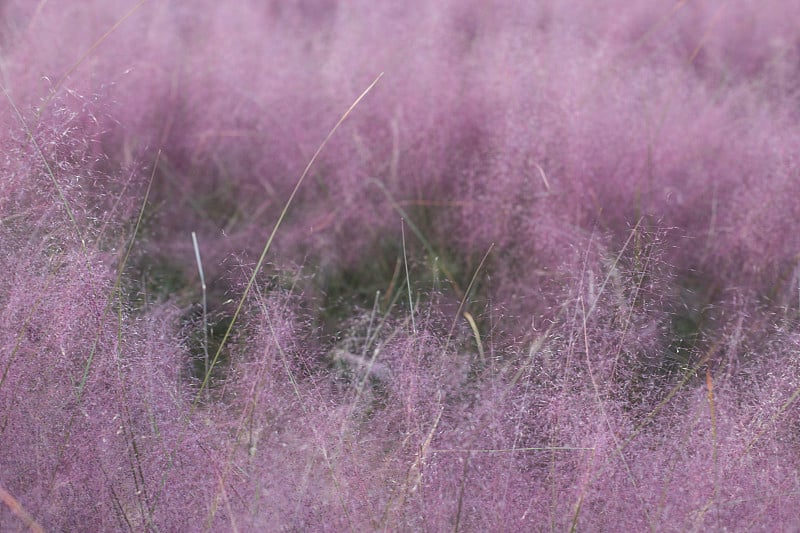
point(544, 277)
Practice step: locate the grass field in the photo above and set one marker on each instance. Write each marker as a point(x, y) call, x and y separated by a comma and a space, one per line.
point(422, 266)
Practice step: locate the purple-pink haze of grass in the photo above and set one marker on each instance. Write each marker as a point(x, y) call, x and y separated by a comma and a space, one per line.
point(544, 277)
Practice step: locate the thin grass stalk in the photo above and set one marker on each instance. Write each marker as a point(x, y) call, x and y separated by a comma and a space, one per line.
point(205, 301)
point(277, 226)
